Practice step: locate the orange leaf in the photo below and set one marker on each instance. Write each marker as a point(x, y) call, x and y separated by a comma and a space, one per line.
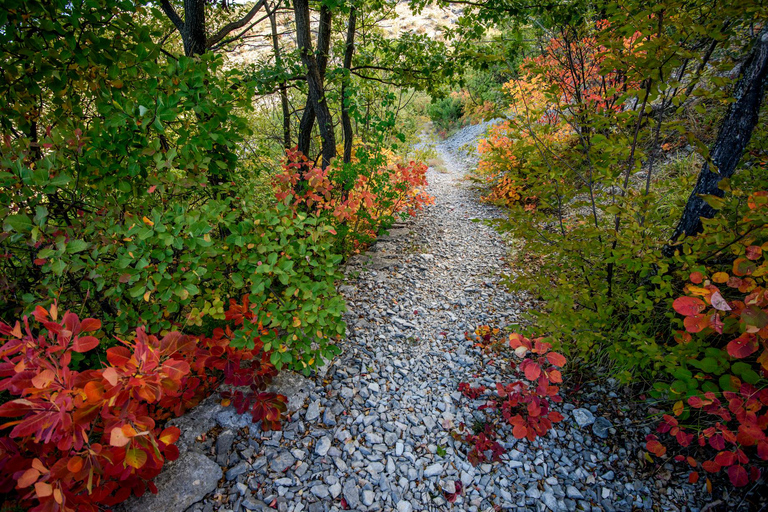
point(29, 477)
point(90, 325)
point(43, 489)
point(75, 464)
point(42, 379)
point(169, 435)
point(110, 375)
point(118, 438)
point(720, 277)
point(556, 359)
point(94, 391)
point(688, 306)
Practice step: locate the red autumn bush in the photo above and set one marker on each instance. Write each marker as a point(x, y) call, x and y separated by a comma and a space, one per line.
point(524, 404)
point(85, 440)
point(719, 392)
point(356, 198)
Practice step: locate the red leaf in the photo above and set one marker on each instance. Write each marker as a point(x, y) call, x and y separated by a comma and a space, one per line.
point(556, 359)
point(90, 325)
point(118, 356)
point(171, 452)
point(531, 369)
point(711, 466)
point(738, 476)
point(688, 306)
point(693, 477)
point(754, 252)
point(85, 343)
point(696, 323)
point(762, 450)
point(726, 458)
point(519, 431)
point(742, 347)
point(696, 277)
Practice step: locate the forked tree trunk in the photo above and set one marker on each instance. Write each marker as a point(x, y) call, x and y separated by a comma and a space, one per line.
point(732, 138)
point(323, 49)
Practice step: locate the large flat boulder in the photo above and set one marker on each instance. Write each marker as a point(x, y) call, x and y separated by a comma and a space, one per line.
point(181, 484)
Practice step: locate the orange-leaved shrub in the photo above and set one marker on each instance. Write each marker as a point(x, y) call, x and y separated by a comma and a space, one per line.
point(358, 202)
point(86, 440)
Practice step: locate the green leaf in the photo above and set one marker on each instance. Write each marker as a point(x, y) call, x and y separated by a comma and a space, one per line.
point(58, 266)
point(20, 223)
point(75, 246)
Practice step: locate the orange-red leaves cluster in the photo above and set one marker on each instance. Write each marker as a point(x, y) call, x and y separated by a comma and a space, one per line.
point(524, 404)
point(86, 440)
point(387, 191)
point(729, 309)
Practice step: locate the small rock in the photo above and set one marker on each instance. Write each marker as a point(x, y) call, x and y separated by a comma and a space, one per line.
point(583, 417)
point(404, 506)
point(282, 462)
point(237, 470)
point(368, 496)
point(433, 470)
point(313, 411)
point(601, 426)
point(351, 493)
point(323, 445)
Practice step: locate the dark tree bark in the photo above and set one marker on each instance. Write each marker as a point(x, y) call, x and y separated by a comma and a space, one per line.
point(732, 138)
point(192, 26)
point(283, 85)
point(314, 80)
point(323, 49)
point(349, 50)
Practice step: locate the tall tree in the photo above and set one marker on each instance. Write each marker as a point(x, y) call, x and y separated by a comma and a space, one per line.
point(314, 80)
point(323, 48)
point(732, 138)
point(349, 50)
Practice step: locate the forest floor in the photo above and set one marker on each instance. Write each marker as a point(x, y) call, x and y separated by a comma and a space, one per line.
point(376, 433)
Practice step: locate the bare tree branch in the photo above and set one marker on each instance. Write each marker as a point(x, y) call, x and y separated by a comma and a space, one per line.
point(229, 27)
point(172, 15)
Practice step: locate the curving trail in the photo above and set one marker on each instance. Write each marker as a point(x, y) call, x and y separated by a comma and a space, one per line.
point(375, 434)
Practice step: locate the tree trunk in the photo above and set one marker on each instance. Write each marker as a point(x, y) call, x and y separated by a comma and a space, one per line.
point(323, 49)
point(193, 34)
point(349, 50)
point(732, 138)
point(283, 86)
point(314, 78)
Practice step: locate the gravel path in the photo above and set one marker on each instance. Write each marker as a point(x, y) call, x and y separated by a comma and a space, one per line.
point(376, 433)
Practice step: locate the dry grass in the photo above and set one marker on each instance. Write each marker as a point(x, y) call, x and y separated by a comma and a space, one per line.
point(437, 164)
